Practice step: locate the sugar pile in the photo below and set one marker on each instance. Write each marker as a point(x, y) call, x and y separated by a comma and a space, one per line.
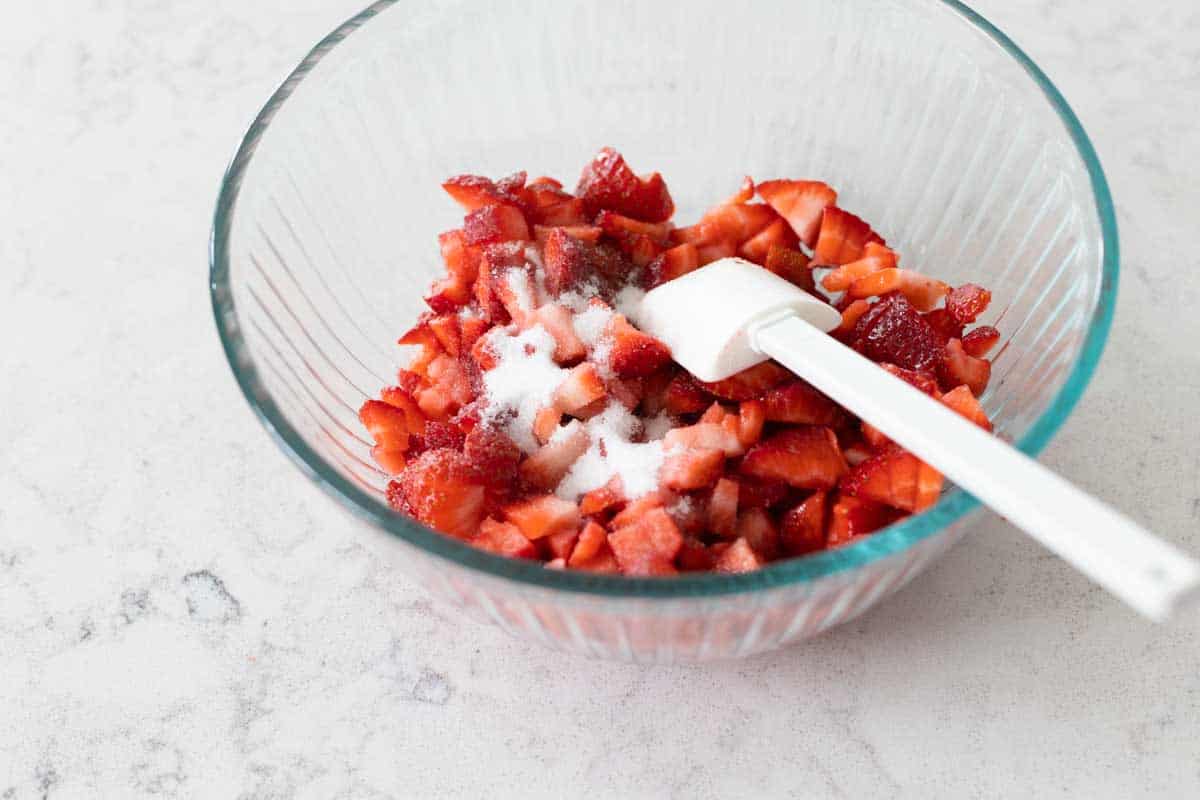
point(522, 382)
point(613, 454)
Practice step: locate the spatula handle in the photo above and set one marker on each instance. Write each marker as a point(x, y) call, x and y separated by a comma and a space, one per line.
point(1149, 574)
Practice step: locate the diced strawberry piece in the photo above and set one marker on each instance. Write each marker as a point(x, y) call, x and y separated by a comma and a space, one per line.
point(557, 320)
point(497, 223)
point(693, 556)
point(843, 237)
point(570, 262)
point(802, 528)
point(685, 395)
point(474, 191)
point(925, 381)
point(723, 507)
point(462, 266)
point(963, 401)
point(470, 328)
point(965, 303)
point(851, 314)
point(503, 538)
point(609, 183)
point(672, 263)
point(980, 341)
point(545, 423)
point(447, 295)
point(484, 354)
point(958, 368)
point(647, 546)
point(545, 468)
point(714, 413)
point(492, 283)
point(548, 206)
point(728, 222)
point(584, 233)
point(946, 326)
point(495, 457)
point(543, 180)
point(403, 400)
point(778, 234)
point(852, 517)
point(626, 391)
point(708, 253)
point(634, 353)
point(791, 265)
point(761, 494)
point(561, 544)
point(804, 457)
point(592, 552)
point(437, 435)
point(738, 557)
point(749, 383)
point(445, 329)
point(922, 291)
point(876, 257)
point(752, 415)
point(683, 470)
point(874, 438)
point(744, 194)
point(756, 528)
point(704, 436)
point(607, 497)
point(892, 330)
point(543, 515)
point(389, 428)
point(636, 509)
point(621, 228)
point(896, 478)
point(801, 203)
point(450, 388)
point(441, 489)
point(582, 387)
point(799, 403)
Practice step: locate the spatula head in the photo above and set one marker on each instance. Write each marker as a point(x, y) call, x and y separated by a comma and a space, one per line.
point(705, 315)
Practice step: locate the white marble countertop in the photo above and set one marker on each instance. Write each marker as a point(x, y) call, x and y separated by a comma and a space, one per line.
point(181, 617)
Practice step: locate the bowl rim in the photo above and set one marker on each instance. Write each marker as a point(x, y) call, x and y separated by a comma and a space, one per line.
point(899, 537)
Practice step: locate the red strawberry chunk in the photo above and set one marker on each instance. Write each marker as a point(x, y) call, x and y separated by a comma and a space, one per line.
point(546, 423)
point(492, 286)
point(557, 320)
point(876, 257)
point(498, 223)
point(965, 303)
point(925, 381)
point(843, 237)
point(684, 470)
point(778, 234)
point(896, 478)
point(548, 205)
point(620, 228)
point(922, 291)
point(570, 262)
point(723, 508)
point(738, 557)
point(752, 415)
point(636, 509)
point(761, 494)
point(715, 251)
point(729, 222)
point(755, 527)
point(980, 341)
point(672, 263)
point(592, 552)
point(546, 467)
point(853, 517)
point(946, 326)
point(744, 194)
point(582, 387)
point(962, 400)
point(441, 489)
point(609, 183)
point(801, 203)
point(606, 498)
point(804, 457)
point(584, 233)
point(798, 403)
point(958, 368)
point(705, 436)
point(647, 546)
point(851, 314)
point(791, 265)
point(685, 395)
point(389, 428)
point(559, 545)
point(749, 383)
point(694, 556)
point(802, 528)
point(495, 458)
point(473, 191)
point(503, 538)
point(892, 330)
point(634, 353)
point(543, 516)
point(403, 400)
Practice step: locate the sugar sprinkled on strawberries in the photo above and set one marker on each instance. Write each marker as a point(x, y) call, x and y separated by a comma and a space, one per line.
point(612, 453)
point(521, 383)
point(591, 322)
point(518, 282)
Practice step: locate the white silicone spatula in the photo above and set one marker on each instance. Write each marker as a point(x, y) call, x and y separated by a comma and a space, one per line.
point(731, 315)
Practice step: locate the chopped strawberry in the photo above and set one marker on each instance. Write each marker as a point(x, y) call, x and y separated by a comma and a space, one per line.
point(876, 257)
point(705, 436)
point(495, 458)
point(965, 303)
point(473, 191)
point(980, 341)
point(761, 494)
point(851, 314)
point(543, 515)
point(557, 320)
point(958, 368)
point(584, 233)
point(560, 545)
point(436, 435)
point(633, 353)
point(548, 205)
point(492, 285)
point(462, 266)
point(758, 247)
point(445, 329)
point(389, 427)
point(723, 507)
point(744, 194)
point(922, 291)
point(925, 381)
point(738, 557)
point(708, 253)
point(896, 478)
point(627, 391)
point(636, 509)
point(504, 539)
point(449, 390)
point(403, 400)
point(609, 183)
point(842, 239)
point(483, 353)
point(715, 413)
point(756, 528)
point(647, 546)
point(801, 203)
point(570, 262)
point(470, 328)
point(693, 556)
point(791, 265)
point(546, 467)
point(946, 326)
point(497, 223)
point(545, 423)
point(749, 383)
point(962, 400)
point(684, 470)
point(802, 528)
point(592, 552)
point(804, 457)
point(582, 387)
point(752, 415)
point(685, 395)
point(672, 263)
point(441, 489)
point(728, 222)
point(892, 330)
point(853, 517)
point(621, 228)
point(799, 403)
point(598, 501)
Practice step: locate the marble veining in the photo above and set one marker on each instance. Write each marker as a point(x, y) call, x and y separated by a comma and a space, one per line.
point(181, 616)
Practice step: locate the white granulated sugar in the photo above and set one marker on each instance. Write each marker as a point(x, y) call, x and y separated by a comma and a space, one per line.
point(518, 281)
point(591, 322)
point(578, 298)
point(612, 454)
point(656, 427)
point(629, 300)
point(521, 383)
point(467, 312)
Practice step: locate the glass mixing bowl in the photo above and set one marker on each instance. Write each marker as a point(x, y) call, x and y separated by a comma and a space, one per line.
point(930, 122)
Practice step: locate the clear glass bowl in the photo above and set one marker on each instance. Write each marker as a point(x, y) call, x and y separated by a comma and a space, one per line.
point(930, 122)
